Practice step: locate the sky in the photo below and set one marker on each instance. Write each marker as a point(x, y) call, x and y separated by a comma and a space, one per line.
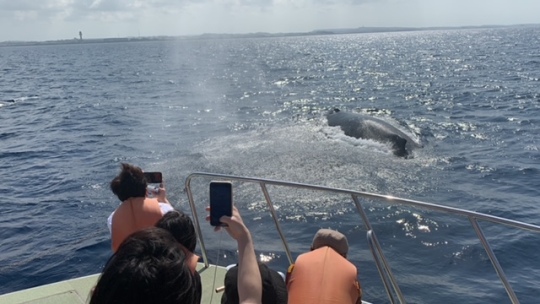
point(41, 20)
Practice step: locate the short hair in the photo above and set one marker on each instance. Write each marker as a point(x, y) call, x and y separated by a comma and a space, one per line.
point(181, 227)
point(274, 289)
point(130, 182)
point(149, 267)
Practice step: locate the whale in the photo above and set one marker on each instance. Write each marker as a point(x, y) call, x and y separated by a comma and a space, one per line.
point(368, 127)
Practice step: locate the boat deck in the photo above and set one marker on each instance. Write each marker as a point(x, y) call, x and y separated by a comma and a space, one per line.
point(78, 290)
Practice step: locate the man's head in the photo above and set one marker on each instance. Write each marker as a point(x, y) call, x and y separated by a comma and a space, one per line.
point(148, 267)
point(332, 239)
point(129, 183)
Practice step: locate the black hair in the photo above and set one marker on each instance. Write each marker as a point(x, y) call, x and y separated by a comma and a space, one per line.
point(148, 267)
point(129, 183)
point(181, 227)
point(274, 289)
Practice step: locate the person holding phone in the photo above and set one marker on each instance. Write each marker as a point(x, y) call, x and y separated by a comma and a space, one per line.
point(137, 210)
point(249, 276)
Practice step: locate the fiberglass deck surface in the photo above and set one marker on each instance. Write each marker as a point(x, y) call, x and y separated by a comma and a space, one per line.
point(77, 290)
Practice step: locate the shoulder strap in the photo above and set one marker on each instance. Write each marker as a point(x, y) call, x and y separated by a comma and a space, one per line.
point(289, 271)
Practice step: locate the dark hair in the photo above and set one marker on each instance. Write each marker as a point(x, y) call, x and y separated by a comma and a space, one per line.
point(181, 227)
point(149, 267)
point(274, 289)
point(129, 183)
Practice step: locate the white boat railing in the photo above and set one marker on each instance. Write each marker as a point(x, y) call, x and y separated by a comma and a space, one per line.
point(389, 281)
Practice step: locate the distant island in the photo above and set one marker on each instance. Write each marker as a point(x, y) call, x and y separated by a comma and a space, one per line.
point(359, 30)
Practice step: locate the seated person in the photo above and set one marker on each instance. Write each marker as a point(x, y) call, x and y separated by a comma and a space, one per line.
point(136, 210)
point(324, 275)
point(182, 229)
point(148, 267)
point(274, 290)
point(249, 278)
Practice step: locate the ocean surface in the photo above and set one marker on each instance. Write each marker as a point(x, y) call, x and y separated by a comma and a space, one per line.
point(256, 107)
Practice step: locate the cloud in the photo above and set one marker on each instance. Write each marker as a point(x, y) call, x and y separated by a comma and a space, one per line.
point(25, 5)
point(45, 6)
point(344, 2)
point(58, 19)
point(129, 5)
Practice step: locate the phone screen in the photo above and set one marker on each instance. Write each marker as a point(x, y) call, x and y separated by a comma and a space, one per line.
point(220, 201)
point(153, 177)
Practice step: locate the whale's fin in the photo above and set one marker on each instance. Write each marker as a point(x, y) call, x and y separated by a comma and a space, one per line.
point(398, 144)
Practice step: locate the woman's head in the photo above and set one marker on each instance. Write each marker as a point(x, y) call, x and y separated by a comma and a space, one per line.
point(149, 267)
point(129, 183)
point(181, 227)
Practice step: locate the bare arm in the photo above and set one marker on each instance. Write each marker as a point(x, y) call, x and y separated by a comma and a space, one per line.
point(249, 276)
point(162, 194)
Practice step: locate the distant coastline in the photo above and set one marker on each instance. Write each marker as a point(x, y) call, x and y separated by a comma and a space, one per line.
point(359, 30)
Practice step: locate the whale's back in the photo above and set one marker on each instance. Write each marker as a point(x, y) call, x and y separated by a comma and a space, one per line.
point(368, 127)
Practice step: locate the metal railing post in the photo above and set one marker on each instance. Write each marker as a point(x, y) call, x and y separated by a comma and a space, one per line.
point(378, 254)
point(196, 220)
point(278, 227)
point(494, 261)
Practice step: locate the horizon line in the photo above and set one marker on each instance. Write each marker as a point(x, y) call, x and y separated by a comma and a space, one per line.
point(331, 31)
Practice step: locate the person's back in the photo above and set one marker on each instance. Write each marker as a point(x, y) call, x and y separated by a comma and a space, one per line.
point(323, 276)
point(133, 215)
point(136, 211)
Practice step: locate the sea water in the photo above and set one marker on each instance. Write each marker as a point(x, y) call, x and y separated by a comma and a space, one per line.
point(256, 107)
